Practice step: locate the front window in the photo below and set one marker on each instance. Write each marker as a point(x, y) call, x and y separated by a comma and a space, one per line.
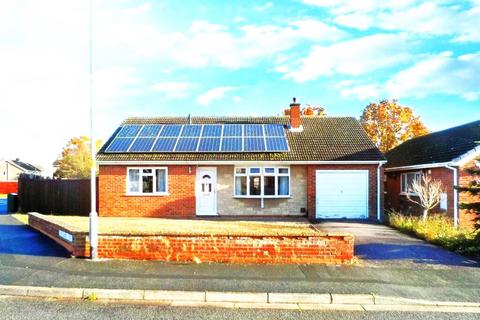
point(147, 181)
point(268, 182)
point(407, 180)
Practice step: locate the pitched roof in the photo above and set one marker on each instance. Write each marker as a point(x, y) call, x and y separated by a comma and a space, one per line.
point(322, 139)
point(25, 166)
point(438, 147)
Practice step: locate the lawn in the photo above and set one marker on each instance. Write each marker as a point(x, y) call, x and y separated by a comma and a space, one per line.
point(161, 226)
point(439, 230)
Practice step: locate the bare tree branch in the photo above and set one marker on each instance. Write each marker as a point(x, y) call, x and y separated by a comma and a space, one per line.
point(428, 192)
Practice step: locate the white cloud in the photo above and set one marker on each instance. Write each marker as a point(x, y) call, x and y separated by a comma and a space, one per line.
point(214, 94)
point(174, 89)
point(363, 92)
point(263, 7)
point(439, 74)
point(236, 99)
point(459, 20)
point(355, 20)
point(352, 57)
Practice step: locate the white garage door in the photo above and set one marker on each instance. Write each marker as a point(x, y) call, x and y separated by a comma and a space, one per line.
point(342, 194)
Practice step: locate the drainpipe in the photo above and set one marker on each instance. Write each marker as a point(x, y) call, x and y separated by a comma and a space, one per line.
point(379, 189)
point(455, 194)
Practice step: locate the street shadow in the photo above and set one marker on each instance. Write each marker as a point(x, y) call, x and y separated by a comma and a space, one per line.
point(22, 240)
point(417, 253)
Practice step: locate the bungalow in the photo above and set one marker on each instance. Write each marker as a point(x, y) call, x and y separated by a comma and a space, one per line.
point(11, 169)
point(317, 167)
point(446, 156)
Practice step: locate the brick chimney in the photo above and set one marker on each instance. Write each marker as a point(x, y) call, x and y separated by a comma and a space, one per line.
point(295, 123)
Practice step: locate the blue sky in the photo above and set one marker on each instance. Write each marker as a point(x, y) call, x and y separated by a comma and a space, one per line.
point(222, 58)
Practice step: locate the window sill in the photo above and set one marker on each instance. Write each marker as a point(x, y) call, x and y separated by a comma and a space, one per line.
point(264, 197)
point(147, 194)
point(409, 194)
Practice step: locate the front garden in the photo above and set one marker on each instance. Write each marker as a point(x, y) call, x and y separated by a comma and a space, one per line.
point(439, 230)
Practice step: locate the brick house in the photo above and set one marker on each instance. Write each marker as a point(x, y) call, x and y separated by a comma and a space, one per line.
point(445, 155)
point(318, 167)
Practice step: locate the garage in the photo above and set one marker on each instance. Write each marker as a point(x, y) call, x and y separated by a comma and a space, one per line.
point(341, 194)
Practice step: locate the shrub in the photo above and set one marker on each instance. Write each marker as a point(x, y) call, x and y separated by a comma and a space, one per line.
point(439, 229)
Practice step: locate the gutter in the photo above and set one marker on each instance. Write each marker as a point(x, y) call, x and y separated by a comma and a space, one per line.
point(379, 189)
point(455, 193)
point(237, 162)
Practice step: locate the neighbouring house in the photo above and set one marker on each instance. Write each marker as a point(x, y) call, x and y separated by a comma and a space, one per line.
point(318, 167)
point(446, 156)
point(11, 169)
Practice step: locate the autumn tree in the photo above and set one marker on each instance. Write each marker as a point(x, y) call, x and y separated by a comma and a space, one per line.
point(388, 124)
point(309, 111)
point(75, 161)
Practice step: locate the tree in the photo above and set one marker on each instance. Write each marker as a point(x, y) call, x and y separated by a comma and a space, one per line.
point(75, 161)
point(309, 111)
point(428, 192)
point(388, 124)
point(473, 189)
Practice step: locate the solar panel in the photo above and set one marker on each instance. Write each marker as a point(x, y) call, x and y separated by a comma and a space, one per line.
point(231, 144)
point(119, 145)
point(186, 144)
point(200, 138)
point(209, 144)
point(277, 144)
point(191, 131)
point(274, 130)
point(171, 130)
point(212, 130)
point(232, 130)
point(254, 144)
point(253, 130)
point(129, 131)
point(142, 145)
point(164, 144)
point(150, 130)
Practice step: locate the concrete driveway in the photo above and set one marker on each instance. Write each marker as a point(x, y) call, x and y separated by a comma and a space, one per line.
point(378, 244)
point(19, 239)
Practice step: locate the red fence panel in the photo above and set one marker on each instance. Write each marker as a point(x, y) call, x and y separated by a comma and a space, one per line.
point(8, 187)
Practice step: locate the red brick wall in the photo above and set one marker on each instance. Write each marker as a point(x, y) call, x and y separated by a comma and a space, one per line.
point(372, 191)
point(8, 187)
point(395, 201)
point(330, 249)
point(467, 217)
point(180, 202)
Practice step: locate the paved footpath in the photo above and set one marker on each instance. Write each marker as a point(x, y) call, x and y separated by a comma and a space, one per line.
point(19, 267)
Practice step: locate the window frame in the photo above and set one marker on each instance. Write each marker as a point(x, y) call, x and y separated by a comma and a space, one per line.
point(262, 174)
point(140, 181)
point(403, 191)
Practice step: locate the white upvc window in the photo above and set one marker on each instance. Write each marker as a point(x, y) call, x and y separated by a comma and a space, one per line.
point(407, 180)
point(262, 182)
point(147, 181)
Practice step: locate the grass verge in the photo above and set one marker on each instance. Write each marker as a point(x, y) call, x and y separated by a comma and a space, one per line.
point(439, 230)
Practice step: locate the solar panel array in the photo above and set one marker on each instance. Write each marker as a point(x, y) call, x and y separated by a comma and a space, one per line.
point(199, 138)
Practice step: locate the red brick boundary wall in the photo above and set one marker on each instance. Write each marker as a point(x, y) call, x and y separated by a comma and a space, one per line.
point(328, 249)
point(8, 187)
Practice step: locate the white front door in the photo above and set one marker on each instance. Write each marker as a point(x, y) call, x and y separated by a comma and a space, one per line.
point(342, 194)
point(206, 191)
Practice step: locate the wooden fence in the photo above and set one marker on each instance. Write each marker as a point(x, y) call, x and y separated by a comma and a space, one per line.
point(49, 196)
